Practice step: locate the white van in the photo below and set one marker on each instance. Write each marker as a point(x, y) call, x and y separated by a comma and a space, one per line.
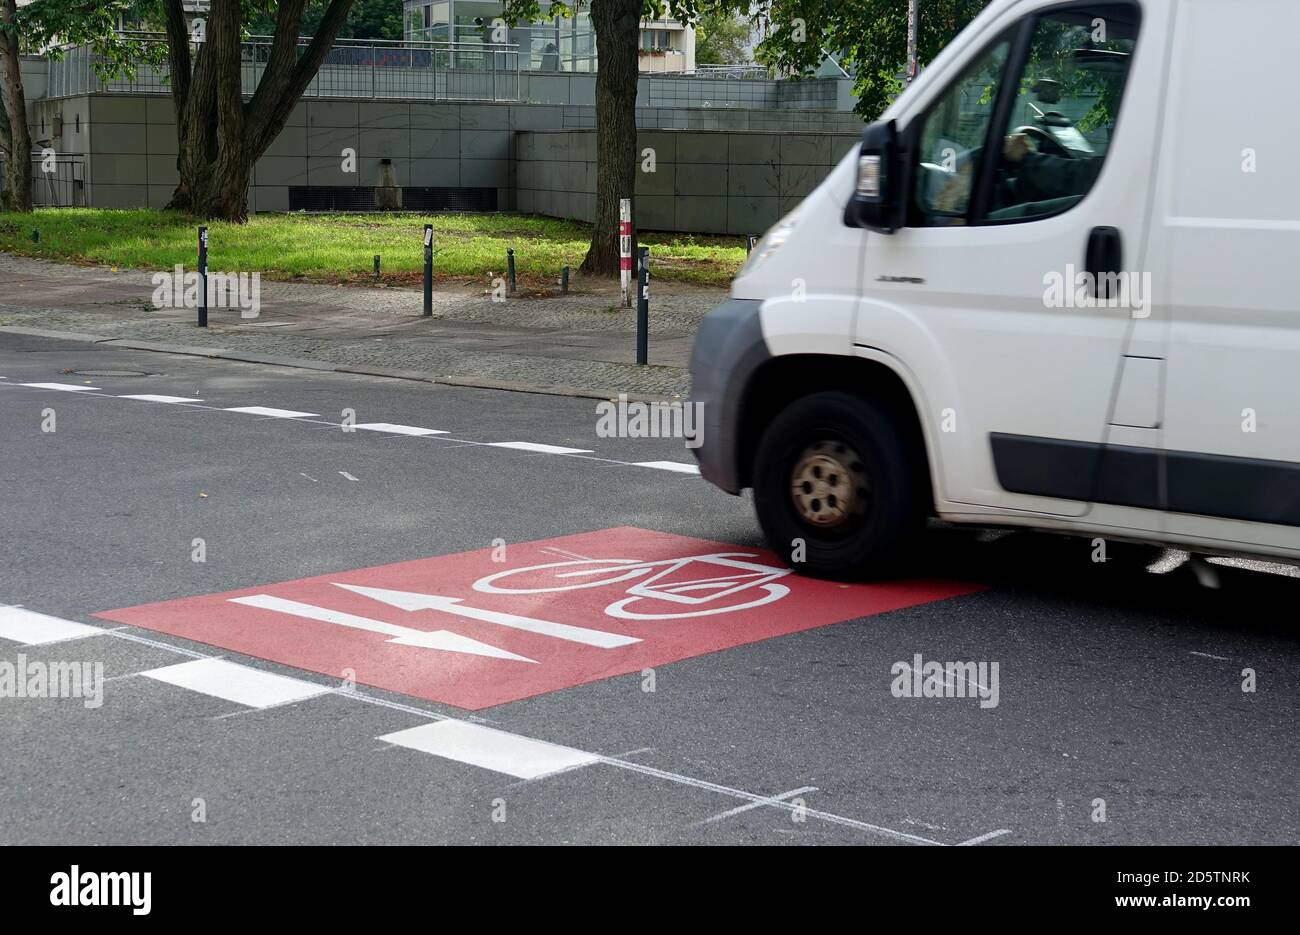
point(1057, 286)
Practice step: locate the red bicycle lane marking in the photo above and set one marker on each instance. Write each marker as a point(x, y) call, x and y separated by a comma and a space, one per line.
point(421, 627)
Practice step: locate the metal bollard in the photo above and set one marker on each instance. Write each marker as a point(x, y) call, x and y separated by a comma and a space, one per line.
point(203, 277)
point(564, 281)
point(376, 265)
point(510, 268)
point(643, 306)
point(428, 269)
point(625, 251)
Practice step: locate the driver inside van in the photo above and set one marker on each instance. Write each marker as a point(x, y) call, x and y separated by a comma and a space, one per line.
point(1039, 179)
point(1043, 177)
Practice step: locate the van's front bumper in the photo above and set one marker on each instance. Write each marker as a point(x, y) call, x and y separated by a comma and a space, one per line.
point(729, 347)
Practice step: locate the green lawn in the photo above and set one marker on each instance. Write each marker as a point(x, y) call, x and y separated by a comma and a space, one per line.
point(340, 248)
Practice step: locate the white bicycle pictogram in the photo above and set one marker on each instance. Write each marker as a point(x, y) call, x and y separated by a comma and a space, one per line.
point(744, 576)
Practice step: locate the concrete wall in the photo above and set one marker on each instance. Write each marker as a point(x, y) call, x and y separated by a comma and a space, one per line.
point(131, 145)
point(718, 171)
point(704, 181)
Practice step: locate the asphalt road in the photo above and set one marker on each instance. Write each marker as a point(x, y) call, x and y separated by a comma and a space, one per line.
point(1116, 684)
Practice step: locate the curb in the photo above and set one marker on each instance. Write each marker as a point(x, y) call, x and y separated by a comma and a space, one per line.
point(217, 353)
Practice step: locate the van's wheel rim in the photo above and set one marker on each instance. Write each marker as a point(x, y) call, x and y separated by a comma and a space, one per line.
point(828, 485)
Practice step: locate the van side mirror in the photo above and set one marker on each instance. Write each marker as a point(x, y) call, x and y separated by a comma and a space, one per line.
point(877, 203)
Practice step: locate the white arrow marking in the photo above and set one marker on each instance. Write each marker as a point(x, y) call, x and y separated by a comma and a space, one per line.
point(412, 600)
point(402, 636)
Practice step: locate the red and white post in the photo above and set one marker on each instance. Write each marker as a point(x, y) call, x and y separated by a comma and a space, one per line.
point(625, 249)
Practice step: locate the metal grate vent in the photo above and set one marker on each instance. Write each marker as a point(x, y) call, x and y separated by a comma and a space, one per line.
point(360, 198)
point(449, 199)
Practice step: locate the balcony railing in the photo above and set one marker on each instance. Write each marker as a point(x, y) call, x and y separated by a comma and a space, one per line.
point(735, 72)
point(369, 68)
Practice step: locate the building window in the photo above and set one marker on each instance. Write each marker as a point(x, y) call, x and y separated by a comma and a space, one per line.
point(655, 40)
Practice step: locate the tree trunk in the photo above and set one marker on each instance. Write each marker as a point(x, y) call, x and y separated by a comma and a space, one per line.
point(219, 135)
point(18, 139)
point(617, 26)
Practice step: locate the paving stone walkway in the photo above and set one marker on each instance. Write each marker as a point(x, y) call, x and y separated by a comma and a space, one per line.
point(581, 343)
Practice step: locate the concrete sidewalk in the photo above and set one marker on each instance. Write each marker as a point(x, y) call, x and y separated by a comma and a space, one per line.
point(579, 344)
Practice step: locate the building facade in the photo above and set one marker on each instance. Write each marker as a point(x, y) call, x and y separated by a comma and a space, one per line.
point(559, 44)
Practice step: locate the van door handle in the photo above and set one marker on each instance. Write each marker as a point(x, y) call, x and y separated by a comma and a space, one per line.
point(1105, 254)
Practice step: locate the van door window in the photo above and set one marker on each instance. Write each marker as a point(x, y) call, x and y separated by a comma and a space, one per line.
point(952, 139)
point(1064, 111)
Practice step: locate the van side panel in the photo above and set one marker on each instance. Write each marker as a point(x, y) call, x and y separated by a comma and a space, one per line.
point(1225, 254)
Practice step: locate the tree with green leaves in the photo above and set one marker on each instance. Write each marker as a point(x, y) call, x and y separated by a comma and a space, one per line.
point(369, 19)
point(220, 135)
point(868, 37)
point(721, 38)
point(44, 26)
point(617, 27)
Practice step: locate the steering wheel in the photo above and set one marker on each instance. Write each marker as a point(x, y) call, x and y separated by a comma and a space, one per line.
point(1043, 138)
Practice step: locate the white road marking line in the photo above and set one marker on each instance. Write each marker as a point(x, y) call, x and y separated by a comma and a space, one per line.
point(232, 682)
point(347, 475)
point(831, 817)
point(665, 775)
point(984, 837)
point(566, 553)
point(33, 629)
point(678, 466)
point(752, 805)
point(444, 640)
point(1210, 656)
point(271, 413)
point(581, 454)
point(413, 600)
point(540, 449)
point(154, 644)
point(310, 478)
point(65, 387)
point(488, 748)
point(397, 429)
point(155, 398)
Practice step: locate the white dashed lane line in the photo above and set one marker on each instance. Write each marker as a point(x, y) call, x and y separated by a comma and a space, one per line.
point(271, 413)
point(540, 449)
point(389, 428)
point(488, 748)
point(230, 681)
point(62, 387)
point(33, 629)
point(392, 429)
point(677, 466)
point(154, 398)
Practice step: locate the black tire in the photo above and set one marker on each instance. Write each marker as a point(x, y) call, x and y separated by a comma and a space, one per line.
point(873, 543)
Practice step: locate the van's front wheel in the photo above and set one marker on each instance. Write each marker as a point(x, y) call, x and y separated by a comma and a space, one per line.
point(836, 486)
